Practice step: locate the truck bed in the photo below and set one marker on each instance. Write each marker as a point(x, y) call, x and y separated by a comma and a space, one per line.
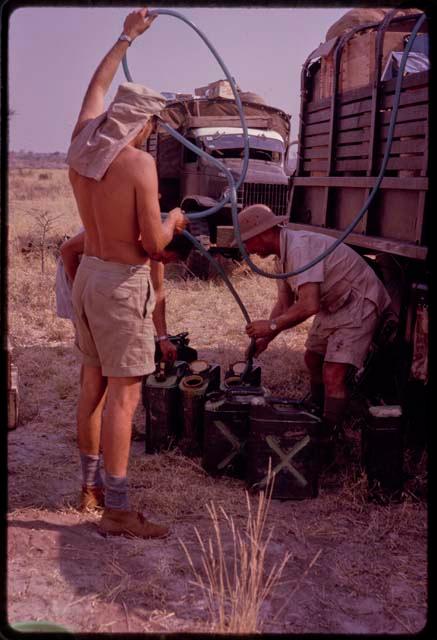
point(342, 140)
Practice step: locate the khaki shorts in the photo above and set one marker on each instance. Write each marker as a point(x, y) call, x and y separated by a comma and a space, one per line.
point(347, 343)
point(113, 306)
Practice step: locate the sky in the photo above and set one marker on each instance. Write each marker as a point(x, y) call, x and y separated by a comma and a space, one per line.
point(53, 52)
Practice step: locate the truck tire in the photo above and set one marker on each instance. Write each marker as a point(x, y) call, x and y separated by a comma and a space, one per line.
point(197, 263)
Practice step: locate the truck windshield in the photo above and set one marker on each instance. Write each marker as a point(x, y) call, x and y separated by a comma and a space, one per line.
point(232, 146)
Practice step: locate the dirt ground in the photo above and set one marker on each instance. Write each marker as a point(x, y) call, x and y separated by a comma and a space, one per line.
point(369, 574)
point(356, 567)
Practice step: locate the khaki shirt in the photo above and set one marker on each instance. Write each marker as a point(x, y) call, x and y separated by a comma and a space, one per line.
point(345, 279)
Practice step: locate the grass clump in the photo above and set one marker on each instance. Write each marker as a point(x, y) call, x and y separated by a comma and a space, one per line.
point(234, 579)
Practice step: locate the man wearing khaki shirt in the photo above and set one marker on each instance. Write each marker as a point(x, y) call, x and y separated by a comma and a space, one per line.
point(341, 291)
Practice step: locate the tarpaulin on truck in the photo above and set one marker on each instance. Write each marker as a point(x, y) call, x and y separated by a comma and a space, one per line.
point(189, 113)
point(200, 112)
point(359, 16)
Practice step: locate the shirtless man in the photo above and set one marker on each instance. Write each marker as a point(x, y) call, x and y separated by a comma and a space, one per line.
point(116, 190)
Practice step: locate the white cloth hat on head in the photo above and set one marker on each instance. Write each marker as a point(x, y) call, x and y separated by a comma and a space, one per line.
point(255, 219)
point(101, 140)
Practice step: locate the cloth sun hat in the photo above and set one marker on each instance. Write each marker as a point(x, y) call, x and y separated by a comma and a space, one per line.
point(101, 140)
point(256, 219)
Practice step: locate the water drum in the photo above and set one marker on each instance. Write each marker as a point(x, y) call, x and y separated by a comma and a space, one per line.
point(203, 379)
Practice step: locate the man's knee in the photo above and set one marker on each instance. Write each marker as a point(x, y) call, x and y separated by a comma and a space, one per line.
point(124, 392)
point(314, 362)
point(93, 384)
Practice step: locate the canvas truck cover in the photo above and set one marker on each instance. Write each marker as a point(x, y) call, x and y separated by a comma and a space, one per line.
point(183, 115)
point(361, 16)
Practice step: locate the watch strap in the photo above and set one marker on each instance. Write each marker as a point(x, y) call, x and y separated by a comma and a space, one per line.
point(124, 38)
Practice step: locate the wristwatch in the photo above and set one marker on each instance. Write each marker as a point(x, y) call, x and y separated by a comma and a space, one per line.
point(273, 326)
point(161, 338)
point(126, 38)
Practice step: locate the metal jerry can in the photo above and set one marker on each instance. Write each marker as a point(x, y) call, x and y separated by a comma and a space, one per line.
point(226, 429)
point(382, 452)
point(282, 432)
point(183, 351)
point(163, 403)
point(201, 378)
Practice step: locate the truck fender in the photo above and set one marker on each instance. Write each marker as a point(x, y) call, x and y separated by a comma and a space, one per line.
point(197, 203)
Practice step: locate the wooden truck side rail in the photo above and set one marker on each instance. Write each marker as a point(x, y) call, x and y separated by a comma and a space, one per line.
point(342, 140)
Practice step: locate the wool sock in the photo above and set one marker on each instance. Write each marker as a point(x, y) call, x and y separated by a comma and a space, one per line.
point(334, 410)
point(317, 394)
point(116, 492)
point(91, 470)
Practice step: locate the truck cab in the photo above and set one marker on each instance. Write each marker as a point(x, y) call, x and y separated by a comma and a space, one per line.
point(210, 120)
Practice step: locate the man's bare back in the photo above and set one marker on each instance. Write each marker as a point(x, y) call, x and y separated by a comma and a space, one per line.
point(108, 208)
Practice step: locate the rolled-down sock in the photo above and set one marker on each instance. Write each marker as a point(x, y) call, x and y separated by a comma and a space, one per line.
point(91, 470)
point(334, 410)
point(116, 489)
point(318, 393)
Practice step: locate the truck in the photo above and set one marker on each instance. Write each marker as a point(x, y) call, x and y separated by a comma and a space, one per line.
point(209, 119)
point(347, 93)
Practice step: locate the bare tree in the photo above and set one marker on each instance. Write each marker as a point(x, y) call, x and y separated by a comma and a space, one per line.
point(43, 225)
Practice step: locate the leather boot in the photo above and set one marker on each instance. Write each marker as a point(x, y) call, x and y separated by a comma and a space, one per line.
point(129, 523)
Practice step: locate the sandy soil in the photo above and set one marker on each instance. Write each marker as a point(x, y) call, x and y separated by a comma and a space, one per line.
point(355, 567)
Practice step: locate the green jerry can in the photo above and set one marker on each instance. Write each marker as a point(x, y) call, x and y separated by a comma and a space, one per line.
point(226, 429)
point(283, 434)
point(163, 404)
point(201, 378)
point(382, 453)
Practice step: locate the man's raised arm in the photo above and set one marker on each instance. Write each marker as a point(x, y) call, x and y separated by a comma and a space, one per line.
point(93, 103)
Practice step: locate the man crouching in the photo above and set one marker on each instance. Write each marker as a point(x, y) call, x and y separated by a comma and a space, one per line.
point(116, 189)
point(341, 291)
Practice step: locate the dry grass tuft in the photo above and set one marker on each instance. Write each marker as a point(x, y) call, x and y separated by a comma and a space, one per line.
point(30, 195)
point(233, 580)
point(32, 304)
point(174, 486)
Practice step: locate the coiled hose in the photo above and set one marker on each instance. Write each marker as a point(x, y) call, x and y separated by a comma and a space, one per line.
point(231, 196)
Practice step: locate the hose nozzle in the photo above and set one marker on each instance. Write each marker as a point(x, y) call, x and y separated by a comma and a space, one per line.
point(249, 359)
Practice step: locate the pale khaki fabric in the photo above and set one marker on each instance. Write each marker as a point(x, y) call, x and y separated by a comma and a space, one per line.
point(113, 305)
point(255, 219)
point(347, 343)
point(351, 295)
point(101, 140)
point(359, 16)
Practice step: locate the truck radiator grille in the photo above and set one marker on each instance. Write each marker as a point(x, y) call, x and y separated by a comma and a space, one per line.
point(151, 145)
point(273, 195)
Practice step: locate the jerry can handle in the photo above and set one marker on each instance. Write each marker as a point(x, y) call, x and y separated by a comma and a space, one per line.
point(283, 404)
point(243, 391)
point(181, 368)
